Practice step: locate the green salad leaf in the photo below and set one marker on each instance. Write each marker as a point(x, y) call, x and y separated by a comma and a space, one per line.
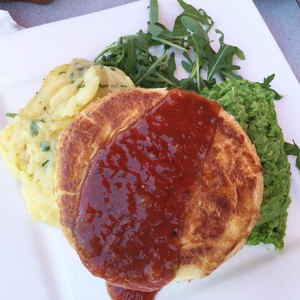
point(293, 149)
point(149, 57)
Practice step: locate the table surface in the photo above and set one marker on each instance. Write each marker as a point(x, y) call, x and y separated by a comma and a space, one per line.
point(281, 16)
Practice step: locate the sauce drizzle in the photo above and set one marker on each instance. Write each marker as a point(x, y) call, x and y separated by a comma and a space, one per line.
point(119, 293)
point(137, 191)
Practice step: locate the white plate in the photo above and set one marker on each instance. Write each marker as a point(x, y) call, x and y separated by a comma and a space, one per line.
point(36, 262)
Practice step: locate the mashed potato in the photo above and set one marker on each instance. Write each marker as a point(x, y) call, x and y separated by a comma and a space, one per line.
point(28, 143)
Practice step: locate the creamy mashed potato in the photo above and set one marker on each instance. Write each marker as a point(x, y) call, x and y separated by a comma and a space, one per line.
point(28, 143)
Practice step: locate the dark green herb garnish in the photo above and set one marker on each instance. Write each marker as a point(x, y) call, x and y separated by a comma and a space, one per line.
point(11, 115)
point(103, 86)
point(149, 57)
point(34, 130)
point(81, 85)
point(45, 147)
point(293, 149)
point(45, 163)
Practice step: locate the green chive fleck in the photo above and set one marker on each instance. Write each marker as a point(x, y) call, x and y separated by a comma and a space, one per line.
point(10, 115)
point(34, 128)
point(45, 163)
point(44, 146)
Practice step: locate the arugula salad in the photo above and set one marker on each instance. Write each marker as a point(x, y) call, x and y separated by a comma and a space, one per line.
point(150, 58)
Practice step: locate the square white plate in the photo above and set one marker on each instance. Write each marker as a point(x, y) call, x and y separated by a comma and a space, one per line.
point(36, 262)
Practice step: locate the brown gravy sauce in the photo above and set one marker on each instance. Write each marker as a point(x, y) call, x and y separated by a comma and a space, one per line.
point(136, 192)
point(119, 293)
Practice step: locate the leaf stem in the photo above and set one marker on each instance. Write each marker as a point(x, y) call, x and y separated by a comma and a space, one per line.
point(166, 42)
point(151, 69)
